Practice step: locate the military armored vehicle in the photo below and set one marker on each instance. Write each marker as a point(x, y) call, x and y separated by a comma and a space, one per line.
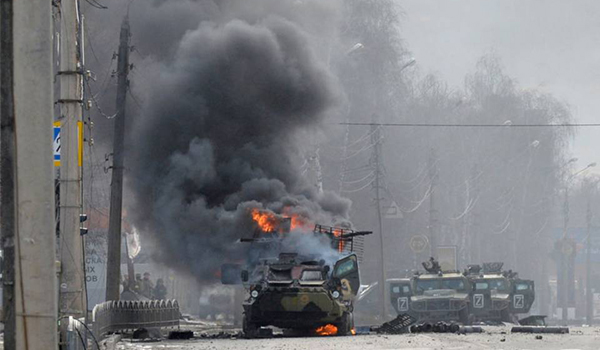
point(400, 294)
point(301, 292)
point(479, 294)
point(433, 296)
point(498, 295)
point(302, 295)
point(522, 294)
point(490, 297)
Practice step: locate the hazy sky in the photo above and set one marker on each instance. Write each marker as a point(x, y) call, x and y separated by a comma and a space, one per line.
point(551, 45)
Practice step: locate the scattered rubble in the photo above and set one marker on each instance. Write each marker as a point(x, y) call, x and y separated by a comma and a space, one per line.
point(399, 325)
point(221, 335)
point(181, 334)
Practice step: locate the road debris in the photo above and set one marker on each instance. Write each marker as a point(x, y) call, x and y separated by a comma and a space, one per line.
point(537, 329)
point(398, 325)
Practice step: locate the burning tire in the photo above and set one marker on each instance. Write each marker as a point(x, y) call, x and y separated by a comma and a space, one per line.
point(345, 327)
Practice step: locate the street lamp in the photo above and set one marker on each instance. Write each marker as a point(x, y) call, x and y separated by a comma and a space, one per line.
point(411, 62)
point(572, 160)
point(356, 48)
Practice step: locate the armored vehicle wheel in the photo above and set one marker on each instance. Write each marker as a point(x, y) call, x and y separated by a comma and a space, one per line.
point(505, 315)
point(345, 327)
point(249, 329)
point(464, 317)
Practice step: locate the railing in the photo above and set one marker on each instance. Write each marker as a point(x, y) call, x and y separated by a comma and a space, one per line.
point(126, 315)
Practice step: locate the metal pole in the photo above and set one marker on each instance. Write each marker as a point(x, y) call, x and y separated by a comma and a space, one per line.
point(432, 178)
point(564, 263)
point(588, 288)
point(72, 276)
point(376, 141)
point(28, 180)
point(7, 171)
point(113, 263)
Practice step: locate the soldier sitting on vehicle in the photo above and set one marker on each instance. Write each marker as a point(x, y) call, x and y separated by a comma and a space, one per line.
point(146, 286)
point(137, 285)
point(160, 291)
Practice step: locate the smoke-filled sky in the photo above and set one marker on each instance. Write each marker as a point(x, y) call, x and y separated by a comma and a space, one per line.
point(550, 45)
point(221, 132)
point(228, 97)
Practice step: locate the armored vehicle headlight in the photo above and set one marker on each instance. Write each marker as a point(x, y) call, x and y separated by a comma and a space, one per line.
point(254, 293)
point(335, 294)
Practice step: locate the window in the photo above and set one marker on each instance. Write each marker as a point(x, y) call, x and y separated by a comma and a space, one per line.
point(454, 283)
point(345, 268)
point(275, 275)
point(522, 286)
point(400, 289)
point(498, 284)
point(313, 275)
point(481, 286)
point(424, 285)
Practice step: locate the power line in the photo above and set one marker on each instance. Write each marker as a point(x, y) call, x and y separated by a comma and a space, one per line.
point(96, 4)
point(566, 125)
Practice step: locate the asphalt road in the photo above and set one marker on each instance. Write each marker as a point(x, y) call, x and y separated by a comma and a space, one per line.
point(493, 338)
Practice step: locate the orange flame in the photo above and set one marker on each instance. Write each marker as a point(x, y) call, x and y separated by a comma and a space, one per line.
point(299, 222)
point(267, 221)
point(353, 331)
point(338, 233)
point(327, 329)
point(270, 222)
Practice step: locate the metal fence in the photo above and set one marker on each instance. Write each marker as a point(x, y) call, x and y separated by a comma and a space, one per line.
point(126, 315)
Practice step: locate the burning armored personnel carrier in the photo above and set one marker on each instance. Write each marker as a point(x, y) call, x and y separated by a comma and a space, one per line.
point(302, 292)
point(298, 294)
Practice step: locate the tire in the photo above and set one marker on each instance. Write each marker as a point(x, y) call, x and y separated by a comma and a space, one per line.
point(505, 315)
point(249, 329)
point(464, 317)
point(345, 327)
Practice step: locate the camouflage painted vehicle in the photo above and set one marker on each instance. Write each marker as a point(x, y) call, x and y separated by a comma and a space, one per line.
point(300, 292)
point(301, 295)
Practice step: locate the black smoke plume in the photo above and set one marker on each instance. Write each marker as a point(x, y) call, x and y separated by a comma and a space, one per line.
point(222, 133)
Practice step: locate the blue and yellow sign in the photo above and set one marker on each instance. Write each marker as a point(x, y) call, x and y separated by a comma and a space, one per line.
point(56, 143)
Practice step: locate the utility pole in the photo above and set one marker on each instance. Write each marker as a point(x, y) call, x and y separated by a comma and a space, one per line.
point(476, 231)
point(7, 171)
point(432, 212)
point(72, 299)
point(27, 180)
point(344, 166)
point(113, 262)
point(589, 302)
point(564, 258)
point(376, 163)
